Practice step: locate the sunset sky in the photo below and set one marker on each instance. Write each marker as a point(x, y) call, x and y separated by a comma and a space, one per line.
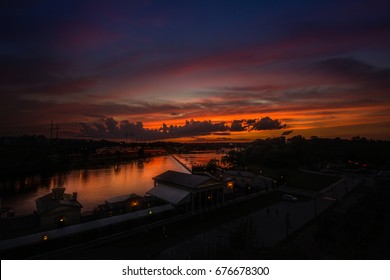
point(195, 70)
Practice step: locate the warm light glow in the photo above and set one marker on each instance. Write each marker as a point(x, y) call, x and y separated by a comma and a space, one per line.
point(45, 237)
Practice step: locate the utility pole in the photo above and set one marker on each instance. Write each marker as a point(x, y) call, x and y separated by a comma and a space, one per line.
point(51, 132)
point(287, 223)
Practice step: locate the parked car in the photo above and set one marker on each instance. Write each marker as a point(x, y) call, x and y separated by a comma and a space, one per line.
point(289, 197)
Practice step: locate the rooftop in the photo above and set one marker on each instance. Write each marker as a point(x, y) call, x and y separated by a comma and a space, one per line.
point(184, 179)
point(170, 194)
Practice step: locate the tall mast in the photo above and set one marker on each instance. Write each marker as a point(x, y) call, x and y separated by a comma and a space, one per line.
point(51, 131)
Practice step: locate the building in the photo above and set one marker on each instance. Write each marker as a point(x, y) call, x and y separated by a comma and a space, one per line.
point(247, 181)
point(6, 212)
point(188, 192)
point(58, 209)
point(120, 205)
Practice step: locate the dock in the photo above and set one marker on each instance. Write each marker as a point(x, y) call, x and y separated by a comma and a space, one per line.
point(184, 164)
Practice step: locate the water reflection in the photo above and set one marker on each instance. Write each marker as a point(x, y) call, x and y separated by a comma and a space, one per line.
point(117, 168)
point(84, 175)
point(93, 186)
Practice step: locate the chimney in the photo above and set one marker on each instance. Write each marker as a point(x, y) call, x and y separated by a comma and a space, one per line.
point(75, 196)
point(58, 193)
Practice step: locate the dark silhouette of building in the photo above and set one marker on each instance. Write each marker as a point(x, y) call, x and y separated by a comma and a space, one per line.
point(58, 209)
point(188, 192)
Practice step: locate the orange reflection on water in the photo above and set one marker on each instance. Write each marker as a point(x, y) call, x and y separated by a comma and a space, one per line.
point(94, 186)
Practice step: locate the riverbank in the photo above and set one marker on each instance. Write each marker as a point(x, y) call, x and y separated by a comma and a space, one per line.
point(62, 164)
point(94, 185)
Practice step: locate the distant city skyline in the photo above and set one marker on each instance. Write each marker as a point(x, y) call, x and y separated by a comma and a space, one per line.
point(195, 70)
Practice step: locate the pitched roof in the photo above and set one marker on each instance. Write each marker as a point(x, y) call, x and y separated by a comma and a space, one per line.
point(47, 202)
point(170, 194)
point(183, 179)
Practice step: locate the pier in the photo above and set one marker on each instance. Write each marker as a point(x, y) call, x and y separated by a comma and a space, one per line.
point(184, 164)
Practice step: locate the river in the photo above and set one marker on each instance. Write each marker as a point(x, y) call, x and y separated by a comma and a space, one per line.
point(94, 186)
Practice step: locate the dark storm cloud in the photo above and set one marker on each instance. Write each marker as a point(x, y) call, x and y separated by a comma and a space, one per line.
point(29, 70)
point(266, 123)
point(221, 133)
point(237, 125)
point(41, 75)
point(287, 132)
point(347, 84)
point(110, 128)
point(196, 128)
point(355, 70)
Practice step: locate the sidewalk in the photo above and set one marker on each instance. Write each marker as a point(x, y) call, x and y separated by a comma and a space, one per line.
point(259, 230)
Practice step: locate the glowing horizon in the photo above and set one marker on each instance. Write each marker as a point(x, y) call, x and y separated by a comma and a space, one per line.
point(98, 69)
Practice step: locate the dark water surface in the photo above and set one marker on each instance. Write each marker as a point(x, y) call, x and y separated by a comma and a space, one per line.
point(93, 186)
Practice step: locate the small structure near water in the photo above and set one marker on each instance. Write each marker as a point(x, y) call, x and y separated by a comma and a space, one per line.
point(120, 205)
point(6, 212)
point(58, 209)
point(245, 180)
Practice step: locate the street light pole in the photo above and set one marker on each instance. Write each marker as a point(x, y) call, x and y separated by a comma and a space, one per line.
point(287, 223)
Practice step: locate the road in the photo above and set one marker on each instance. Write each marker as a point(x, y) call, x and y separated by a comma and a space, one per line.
point(261, 229)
